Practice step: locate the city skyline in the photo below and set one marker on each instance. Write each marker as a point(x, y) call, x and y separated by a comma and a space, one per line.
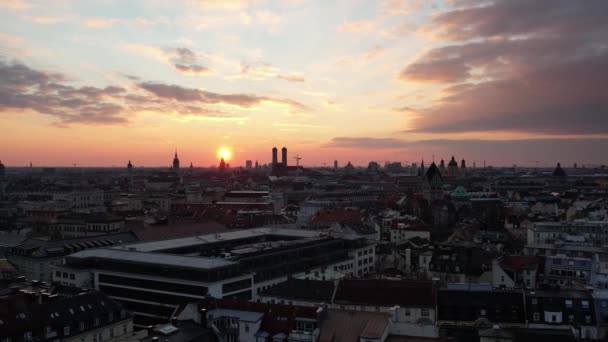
point(101, 83)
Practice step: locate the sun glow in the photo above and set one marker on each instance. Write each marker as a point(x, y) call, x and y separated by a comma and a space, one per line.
point(224, 153)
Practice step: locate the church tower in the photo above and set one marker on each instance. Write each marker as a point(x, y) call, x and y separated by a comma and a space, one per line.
point(175, 162)
point(433, 184)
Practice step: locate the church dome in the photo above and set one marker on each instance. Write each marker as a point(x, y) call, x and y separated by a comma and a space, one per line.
point(453, 163)
point(558, 171)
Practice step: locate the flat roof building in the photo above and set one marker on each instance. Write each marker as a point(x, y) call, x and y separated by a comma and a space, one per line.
point(153, 278)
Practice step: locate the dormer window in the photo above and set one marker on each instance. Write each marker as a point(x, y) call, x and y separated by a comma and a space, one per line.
point(66, 330)
point(81, 325)
point(122, 313)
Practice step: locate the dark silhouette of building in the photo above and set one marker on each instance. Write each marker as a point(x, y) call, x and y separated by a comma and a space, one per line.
point(453, 167)
point(433, 184)
point(2, 170)
point(175, 162)
point(222, 165)
point(274, 157)
point(558, 171)
point(129, 167)
point(284, 156)
point(421, 170)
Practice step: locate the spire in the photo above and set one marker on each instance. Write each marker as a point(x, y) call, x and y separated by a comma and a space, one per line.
point(175, 152)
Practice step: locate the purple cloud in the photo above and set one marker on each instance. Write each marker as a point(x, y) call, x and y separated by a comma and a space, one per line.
point(528, 66)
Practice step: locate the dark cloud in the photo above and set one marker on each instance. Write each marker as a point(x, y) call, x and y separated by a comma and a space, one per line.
point(180, 93)
point(186, 61)
point(25, 89)
point(508, 18)
point(192, 69)
point(531, 66)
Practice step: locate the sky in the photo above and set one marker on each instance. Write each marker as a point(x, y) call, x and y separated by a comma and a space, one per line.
point(101, 82)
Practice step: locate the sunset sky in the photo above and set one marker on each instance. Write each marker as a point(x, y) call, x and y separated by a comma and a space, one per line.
point(101, 82)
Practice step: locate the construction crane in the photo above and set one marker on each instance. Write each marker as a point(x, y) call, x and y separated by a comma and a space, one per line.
point(297, 158)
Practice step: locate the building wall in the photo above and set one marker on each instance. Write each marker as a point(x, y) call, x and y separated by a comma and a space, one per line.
point(108, 333)
point(500, 278)
point(288, 301)
point(34, 268)
point(400, 235)
point(81, 199)
point(73, 277)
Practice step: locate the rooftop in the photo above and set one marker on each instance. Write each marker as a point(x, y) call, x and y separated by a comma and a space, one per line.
point(386, 292)
point(226, 236)
point(177, 261)
point(242, 315)
point(349, 326)
point(313, 290)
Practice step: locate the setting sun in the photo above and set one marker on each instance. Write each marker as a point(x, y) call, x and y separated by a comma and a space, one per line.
point(224, 153)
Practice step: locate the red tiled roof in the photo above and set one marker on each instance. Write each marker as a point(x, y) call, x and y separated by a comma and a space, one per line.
point(520, 262)
point(374, 329)
point(349, 326)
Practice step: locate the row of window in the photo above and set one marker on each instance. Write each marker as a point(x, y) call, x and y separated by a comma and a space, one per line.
point(569, 303)
point(154, 284)
point(555, 319)
point(344, 267)
point(365, 261)
point(65, 275)
point(365, 252)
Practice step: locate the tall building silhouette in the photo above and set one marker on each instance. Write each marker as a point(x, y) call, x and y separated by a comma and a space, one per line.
point(284, 156)
point(176, 162)
point(274, 157)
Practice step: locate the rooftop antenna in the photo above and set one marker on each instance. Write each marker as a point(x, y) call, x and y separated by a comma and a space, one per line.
point(297, 158)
